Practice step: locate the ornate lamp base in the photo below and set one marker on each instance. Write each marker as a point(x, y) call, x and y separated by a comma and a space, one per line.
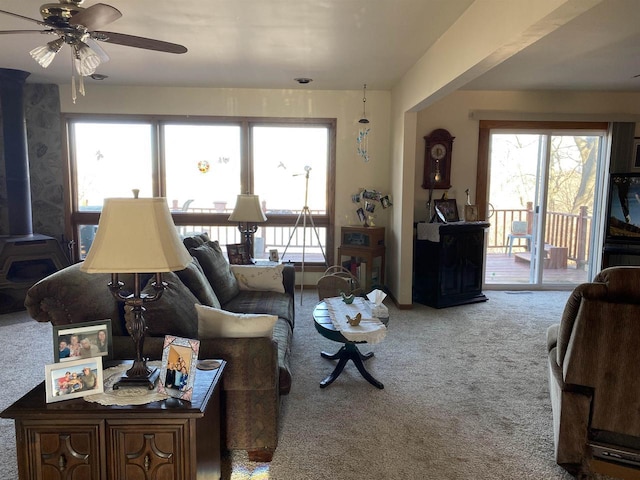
point(149, 381)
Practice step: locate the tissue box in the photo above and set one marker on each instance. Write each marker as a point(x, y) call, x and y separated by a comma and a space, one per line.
point(380, 311)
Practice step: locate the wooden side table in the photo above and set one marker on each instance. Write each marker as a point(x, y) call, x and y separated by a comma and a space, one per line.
point(169, 439)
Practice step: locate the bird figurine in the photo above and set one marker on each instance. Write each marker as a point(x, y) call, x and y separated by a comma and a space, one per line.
point(348, 299)
point(355, 321)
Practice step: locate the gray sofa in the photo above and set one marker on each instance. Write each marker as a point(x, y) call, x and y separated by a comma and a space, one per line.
point(258, 370)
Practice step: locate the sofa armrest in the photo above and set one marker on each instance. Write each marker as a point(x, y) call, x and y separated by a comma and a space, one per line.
point(252, 363)
point(289, 278)
point(73, 296)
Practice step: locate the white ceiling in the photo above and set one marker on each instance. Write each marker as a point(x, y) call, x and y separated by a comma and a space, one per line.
point(340, 44)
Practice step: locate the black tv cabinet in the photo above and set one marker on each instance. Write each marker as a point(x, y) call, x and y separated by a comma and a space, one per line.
point(449, 271)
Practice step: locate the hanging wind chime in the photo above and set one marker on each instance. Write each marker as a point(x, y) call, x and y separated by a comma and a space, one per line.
point(362, 141)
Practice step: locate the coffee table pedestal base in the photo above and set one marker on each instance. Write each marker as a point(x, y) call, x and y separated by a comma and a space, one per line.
point(349, 351)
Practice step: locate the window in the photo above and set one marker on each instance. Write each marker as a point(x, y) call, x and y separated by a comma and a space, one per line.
point(200, 165)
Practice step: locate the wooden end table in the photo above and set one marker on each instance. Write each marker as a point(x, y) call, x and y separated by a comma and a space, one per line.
point(169, 439)
point(348, 351)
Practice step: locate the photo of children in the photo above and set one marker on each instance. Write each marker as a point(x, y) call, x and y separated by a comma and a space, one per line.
point(177, 374)
point(75, 378)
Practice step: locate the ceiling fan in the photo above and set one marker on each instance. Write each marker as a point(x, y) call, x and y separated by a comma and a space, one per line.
point(79, 27)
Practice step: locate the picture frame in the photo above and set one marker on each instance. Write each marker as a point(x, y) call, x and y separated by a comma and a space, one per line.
point(178, 371)
point(73, 379)
point(92, 339)
point(449, 209)
point(470, 213)
point(238, 254)
point(635, 157)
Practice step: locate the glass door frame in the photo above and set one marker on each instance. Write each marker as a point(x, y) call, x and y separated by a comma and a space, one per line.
point(547, 128)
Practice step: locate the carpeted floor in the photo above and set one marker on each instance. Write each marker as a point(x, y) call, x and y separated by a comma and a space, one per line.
point(465, 397)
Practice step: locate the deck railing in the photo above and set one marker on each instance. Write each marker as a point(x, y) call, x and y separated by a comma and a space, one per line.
point(562, 230)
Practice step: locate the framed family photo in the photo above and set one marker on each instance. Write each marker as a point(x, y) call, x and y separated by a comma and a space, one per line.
point(73, 379)
point(178, 371)
point(82, 340)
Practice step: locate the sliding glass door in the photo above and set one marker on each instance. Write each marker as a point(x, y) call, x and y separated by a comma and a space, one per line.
point(542, 196)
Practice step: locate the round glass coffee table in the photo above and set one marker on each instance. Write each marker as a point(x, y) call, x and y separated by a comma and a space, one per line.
point(348, 351)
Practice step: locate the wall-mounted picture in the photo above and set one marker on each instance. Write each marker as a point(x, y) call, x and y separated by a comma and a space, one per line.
point(448, 208)
point(635, 160)
point(178, 371)
point(82, 340)
point(623, 219)
point(73, 379)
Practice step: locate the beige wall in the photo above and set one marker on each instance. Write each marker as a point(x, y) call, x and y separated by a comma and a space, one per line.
point(346, 106)
point(454, 113)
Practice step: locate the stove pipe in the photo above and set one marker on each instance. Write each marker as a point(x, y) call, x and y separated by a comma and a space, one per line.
point(16, 157)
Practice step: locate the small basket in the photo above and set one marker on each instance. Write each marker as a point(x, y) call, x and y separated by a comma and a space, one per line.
point(335, 280)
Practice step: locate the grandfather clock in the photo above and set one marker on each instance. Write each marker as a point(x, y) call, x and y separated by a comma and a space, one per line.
point(437, 160)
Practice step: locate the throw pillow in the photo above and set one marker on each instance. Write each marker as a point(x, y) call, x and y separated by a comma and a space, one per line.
point(173, 313)
point(217, 323)
point(216, 269)
point(196, 240)
point(196, 281)
point(251, 277)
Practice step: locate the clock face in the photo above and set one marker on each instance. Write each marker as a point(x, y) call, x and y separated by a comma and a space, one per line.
point(438, 151)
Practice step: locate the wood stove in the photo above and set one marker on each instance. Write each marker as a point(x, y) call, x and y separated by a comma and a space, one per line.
point(25, 257)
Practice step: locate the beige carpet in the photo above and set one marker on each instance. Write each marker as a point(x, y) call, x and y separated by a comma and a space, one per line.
point(465, 396)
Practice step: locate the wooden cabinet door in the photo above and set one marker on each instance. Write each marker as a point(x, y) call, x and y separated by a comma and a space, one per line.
point(60, 452)
point(148, 451)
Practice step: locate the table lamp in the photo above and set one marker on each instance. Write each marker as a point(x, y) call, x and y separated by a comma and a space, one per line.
point(136, 235)
point(248, 213)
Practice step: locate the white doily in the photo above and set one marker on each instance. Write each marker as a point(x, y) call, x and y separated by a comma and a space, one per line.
point(129, 395)
point(370, 329)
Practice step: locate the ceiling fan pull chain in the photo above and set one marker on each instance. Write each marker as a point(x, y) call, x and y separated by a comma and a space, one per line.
point(74, 95)
point(81, 85)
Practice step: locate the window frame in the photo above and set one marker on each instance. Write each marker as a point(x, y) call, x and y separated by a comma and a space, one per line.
point(75, 217)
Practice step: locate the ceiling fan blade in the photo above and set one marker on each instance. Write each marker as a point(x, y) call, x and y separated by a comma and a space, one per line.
point(8, 32)
point(97, 48)
point(96, 16)
point(39, 22)
point(138, 42)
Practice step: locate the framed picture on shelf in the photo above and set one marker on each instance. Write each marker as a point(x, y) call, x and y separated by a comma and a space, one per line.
point(238, 254)
point(178, 371)
point(73, 379)
point(448, 208)
point(470, 213)
point(82, 340)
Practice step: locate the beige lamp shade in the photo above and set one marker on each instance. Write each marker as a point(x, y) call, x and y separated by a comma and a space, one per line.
point(248, 210)
point(136, 235)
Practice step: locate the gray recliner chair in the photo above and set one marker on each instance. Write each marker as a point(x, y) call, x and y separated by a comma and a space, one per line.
point(594, 367)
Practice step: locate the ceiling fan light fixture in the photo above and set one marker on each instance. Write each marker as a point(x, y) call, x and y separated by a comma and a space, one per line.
point(86, 60)
point(45, 54)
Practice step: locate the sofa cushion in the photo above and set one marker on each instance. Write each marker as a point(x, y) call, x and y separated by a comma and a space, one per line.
point(271, 303)
point(217, 270)
point(173, 313)
point(252, 277)
point(195, 280)
point(215, 323)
